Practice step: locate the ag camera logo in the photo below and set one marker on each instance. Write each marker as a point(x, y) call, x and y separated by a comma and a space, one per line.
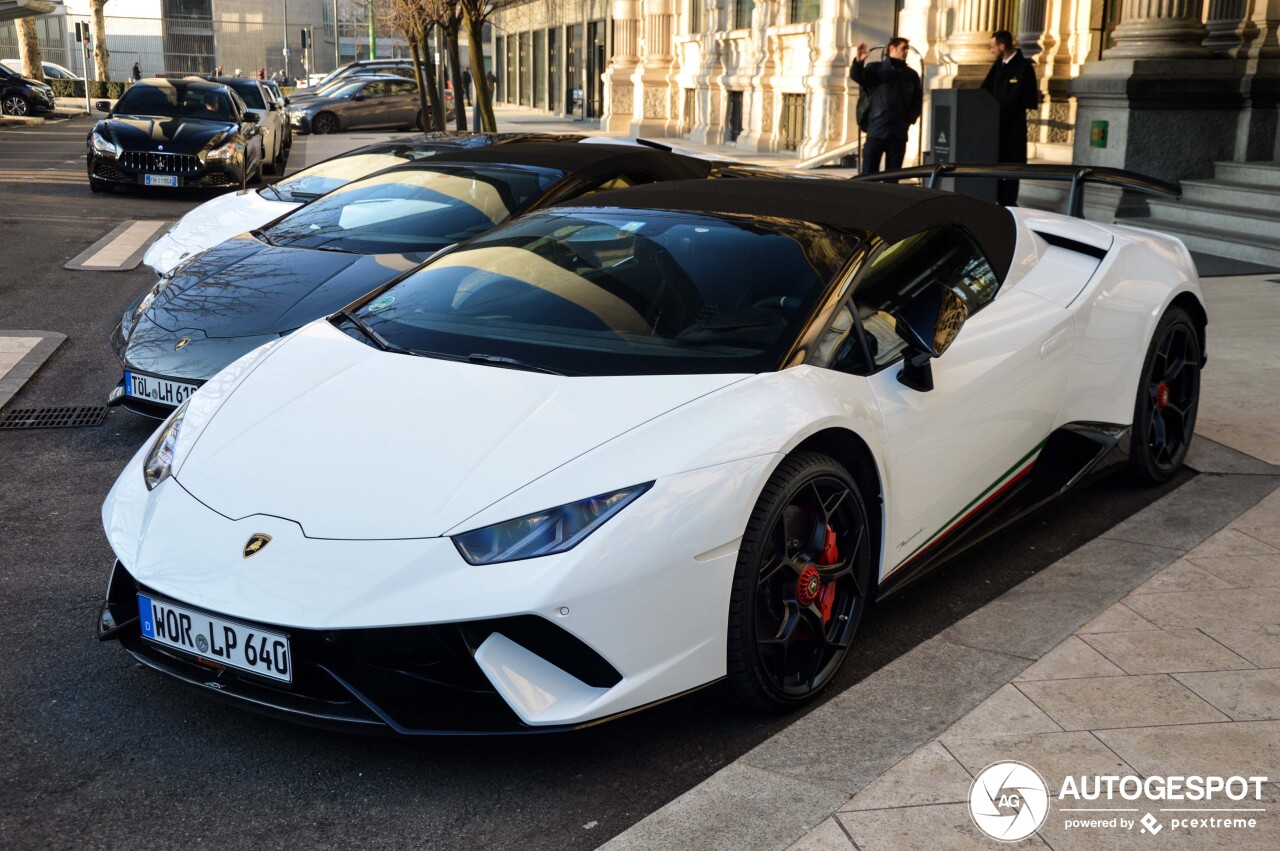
point(1009, 801)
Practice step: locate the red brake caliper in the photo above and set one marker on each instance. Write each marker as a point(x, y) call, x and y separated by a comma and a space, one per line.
point(830, 555)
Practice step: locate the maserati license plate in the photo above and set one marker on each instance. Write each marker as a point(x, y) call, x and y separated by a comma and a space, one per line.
point(160, 180)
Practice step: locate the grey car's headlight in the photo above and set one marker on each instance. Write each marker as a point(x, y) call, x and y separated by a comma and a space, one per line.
point(546, 532)
point(159, 463)
point(103, 146)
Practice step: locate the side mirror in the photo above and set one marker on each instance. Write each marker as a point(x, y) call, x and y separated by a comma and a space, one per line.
point(358, 96)
point(272, 106)
point(102, 105)
point(929, 323)
point(286, 100)
point(251, 118)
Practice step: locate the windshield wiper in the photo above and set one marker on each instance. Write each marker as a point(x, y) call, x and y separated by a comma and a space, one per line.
point(334, 249)
point(261, 236)
point(510, 363)
point(377, 339)
point(270, 187)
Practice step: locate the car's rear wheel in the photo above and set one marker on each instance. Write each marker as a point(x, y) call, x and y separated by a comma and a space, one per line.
point(15, 105)
point(802, 581)
point(325, 122)
point(1164, 415)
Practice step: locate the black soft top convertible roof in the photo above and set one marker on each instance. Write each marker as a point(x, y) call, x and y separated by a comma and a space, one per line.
point(889, 211)
point(578, 157)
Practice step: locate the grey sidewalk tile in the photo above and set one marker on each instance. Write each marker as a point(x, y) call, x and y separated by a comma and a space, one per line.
point(1166, 652)
point(1244, 571)
point(1101, 703)
point(1260, 647)
point(1231, 542)
point(1250, 608)
point(737, 808)
point(1194, 511)
point(1034, 617)
point(1265, 836)
point(856, 736)
point(1070, 660)
point(1055, 755)
point(1265, 513)
point(828, 836)
point(17, 375)
point(1246, 748)
point(1009, 711)
point(931, 775)
point(1242, 695)
point(1267, 533)
point(1182, 575)
point(1117, 618)
point(1209, 456)
point(941, 826)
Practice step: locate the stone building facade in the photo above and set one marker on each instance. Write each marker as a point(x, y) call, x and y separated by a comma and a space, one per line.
point(1172, 85)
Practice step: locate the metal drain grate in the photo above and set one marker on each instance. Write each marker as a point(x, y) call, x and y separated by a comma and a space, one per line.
point(53, 417)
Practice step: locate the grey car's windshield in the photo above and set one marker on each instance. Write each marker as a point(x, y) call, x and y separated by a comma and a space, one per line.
point(413, 209)
point(175, 100)
point(618, 292)
point(251, 95)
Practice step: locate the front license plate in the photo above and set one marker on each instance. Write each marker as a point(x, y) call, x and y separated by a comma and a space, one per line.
point(235, 645)
point(159, 390)
point(160, 180)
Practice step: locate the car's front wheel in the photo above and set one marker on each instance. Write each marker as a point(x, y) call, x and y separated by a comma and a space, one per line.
point(1164, 414)
point(325, 122)
point(802, 582)
point(15, 105)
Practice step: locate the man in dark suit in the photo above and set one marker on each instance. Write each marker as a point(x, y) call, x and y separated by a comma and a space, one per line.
point(895, 95)
point(1012, 82)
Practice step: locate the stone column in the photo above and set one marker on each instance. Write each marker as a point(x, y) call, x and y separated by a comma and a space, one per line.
point(1226, 21)
point(652, 95)
point(618, 93)
point(1260, 36)
point(1160, 29)
point(976, 20)
point(708, 126)
point(1031, 26)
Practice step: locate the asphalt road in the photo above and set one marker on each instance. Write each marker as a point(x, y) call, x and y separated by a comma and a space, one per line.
point(99, 752)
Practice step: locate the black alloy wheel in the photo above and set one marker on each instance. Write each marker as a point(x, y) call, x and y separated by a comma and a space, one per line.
point(802, 582)
point(324, 123)
point(1164, 417)
point(15, 105)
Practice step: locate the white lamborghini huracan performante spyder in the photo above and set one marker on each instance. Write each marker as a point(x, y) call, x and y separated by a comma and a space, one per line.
point(620, 449)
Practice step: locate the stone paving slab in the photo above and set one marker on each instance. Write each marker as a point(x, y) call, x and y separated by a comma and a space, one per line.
point(15, 370)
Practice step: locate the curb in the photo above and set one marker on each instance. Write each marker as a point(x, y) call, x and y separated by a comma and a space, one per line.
point(11, 382)
point(778, 791)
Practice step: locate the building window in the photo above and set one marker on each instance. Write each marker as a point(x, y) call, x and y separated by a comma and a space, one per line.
point(742, 14)
point(689, 114)
point(791, 125)
point(733, 116)
point(803, 11)
point(697, 15)
point(540, 69)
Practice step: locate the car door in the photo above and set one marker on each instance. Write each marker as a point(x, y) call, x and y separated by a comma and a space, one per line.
point(997, 390)
point(369, 111)
point(402, 102)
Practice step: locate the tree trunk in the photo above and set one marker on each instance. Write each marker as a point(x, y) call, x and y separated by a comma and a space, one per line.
point(29, 49)
point(437, 103)
point(455, 74)
point(480, 75)
point(424, 103)
point(101, 57)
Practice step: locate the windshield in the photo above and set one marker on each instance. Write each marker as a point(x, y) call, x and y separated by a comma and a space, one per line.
point(344, 91)
point(413, 209)
point(176, 101)
point(618, 292)
point(322, 178)
point(251, 95)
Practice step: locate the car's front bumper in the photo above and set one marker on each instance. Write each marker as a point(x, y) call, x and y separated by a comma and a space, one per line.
point(189, 171)
point(300, 123)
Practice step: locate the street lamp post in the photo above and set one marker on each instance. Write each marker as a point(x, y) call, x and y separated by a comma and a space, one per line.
point(285, 5)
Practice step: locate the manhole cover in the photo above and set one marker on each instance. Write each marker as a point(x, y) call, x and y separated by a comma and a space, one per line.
point(53, 417)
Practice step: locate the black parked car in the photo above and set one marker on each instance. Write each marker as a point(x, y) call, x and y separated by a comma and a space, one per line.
point(21, 95)
point(175, 133)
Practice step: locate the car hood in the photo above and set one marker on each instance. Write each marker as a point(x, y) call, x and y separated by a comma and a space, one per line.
point(212, 222)
point(244, 287)
point(352, 442)
point(172, 135)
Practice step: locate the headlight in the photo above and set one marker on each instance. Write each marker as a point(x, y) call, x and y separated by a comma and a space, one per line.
point(132, 315)
point(546, 532)
point(159, 463)
point(224, 152)
point(102, 145)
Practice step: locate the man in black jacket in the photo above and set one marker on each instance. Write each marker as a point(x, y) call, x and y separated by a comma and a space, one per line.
point(896, 98)
point(1012, 82)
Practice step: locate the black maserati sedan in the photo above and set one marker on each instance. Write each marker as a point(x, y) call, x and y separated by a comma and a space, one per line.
point(173, 133)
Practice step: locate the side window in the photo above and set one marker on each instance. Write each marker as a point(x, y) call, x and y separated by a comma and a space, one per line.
point(375, 89)
point(402, 88)
point(942, 256)
point(616, 181)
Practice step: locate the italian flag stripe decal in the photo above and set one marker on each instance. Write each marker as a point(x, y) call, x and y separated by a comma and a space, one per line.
point(1007, 480)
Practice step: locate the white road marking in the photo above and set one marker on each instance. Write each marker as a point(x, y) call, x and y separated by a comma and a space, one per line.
point(115, 253)
point(14, 349)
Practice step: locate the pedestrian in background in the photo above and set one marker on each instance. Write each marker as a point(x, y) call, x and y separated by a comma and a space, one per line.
point(137, 72)
point(217, 72)
point(493, 83)
point(896, 97)
point(466, 85)
point(262, 73)
point(1012, 82)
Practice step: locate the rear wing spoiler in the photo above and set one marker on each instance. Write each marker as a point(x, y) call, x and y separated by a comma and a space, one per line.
point(1077, 175)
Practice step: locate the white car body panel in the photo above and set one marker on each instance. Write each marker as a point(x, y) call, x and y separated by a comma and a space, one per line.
point(359, 463)
point(214, 221)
